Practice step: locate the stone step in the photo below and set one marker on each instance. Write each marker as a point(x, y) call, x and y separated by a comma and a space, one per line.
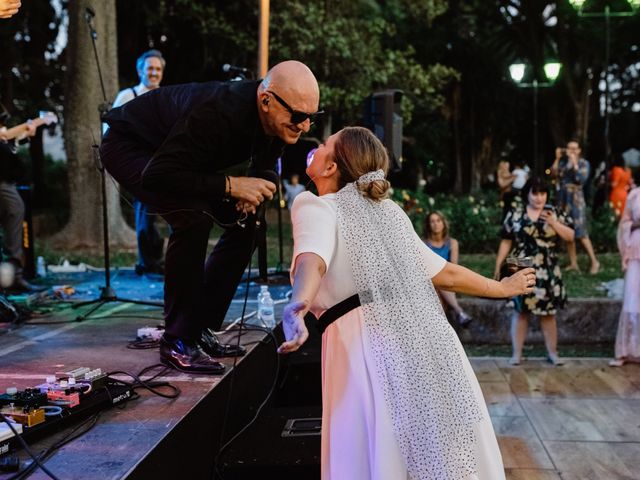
point(583, 320)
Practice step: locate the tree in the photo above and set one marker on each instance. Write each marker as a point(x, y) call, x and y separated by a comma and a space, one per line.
point(82, 128)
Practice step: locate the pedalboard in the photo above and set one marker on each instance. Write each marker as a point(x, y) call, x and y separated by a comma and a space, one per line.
point(71, 395)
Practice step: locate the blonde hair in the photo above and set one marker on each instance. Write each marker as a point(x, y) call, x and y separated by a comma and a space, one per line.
point(357, 151)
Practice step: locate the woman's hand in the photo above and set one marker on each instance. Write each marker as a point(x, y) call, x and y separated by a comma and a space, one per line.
point(295, 331)
point(549, 217)
point(520, 283)
point(559, 153)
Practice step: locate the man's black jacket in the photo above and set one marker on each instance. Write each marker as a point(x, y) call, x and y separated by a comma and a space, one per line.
point(194, 132)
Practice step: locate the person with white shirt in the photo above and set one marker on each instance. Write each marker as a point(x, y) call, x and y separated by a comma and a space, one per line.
point(150, 66)
point(521, 174)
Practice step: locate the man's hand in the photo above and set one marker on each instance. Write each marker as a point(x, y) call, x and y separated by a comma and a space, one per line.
point(250, 190)
point(8, 8)
point(295, 331)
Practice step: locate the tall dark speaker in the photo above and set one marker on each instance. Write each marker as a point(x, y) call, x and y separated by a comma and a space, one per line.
point(29, 267)
point(383, 116)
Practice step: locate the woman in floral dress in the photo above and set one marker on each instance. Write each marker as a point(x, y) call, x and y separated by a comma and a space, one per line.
point(533, 230)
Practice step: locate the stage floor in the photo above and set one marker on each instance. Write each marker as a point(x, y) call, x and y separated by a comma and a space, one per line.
point(580, 421)
point(576, 422)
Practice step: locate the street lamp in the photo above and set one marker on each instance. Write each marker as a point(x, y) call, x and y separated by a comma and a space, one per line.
point(607, 14)
point(517, 72)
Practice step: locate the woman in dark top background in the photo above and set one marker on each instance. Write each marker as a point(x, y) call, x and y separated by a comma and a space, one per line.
point(436, 237)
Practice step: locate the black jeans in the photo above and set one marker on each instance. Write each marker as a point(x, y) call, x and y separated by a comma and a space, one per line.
point(197, 294)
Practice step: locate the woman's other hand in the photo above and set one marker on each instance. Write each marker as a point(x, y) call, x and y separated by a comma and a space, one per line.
point(520, 283)
point(295, 330)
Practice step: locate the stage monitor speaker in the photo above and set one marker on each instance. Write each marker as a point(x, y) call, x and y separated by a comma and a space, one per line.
point(383, 116)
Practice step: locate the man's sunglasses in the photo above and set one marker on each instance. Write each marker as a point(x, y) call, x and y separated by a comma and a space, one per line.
point(296, 115)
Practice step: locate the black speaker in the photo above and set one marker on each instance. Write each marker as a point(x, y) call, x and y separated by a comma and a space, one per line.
point(383, 116)
point(29, 267)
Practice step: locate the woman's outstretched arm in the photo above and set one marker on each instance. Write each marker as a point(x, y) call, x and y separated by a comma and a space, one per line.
point(309, 270)
point(457, 278)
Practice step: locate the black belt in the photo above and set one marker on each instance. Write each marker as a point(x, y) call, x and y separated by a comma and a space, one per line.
point(335, 312)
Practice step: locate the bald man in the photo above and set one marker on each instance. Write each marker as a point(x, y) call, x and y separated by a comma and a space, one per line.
point(199, 154)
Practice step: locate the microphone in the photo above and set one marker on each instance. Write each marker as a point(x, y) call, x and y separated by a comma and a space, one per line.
point(272, 177)
point(228, 68)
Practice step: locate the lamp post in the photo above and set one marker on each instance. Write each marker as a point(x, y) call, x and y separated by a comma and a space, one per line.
point(607, 15)
point(517, 72)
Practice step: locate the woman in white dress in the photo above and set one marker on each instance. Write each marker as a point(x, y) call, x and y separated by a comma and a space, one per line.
point(400, 399)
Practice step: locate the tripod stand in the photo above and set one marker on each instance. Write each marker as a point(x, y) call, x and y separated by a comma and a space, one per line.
point(107, 293)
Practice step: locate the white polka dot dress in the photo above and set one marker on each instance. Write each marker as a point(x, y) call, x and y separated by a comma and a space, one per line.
point(359, 437)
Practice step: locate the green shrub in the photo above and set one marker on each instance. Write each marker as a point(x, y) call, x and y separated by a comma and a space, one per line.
point(475, 219)
point(603, 229)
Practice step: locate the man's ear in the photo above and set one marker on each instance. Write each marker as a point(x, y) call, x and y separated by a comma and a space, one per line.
point(264, 101)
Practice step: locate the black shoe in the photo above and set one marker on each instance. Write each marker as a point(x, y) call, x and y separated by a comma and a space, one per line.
point(211, 345)
point(188, 357)
point(20, 284)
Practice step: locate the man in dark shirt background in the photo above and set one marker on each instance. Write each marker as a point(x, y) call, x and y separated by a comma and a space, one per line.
point(195, 154)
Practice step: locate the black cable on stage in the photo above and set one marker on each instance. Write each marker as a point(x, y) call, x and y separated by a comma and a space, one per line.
point(258, 411)
point(26, 448)
point(46, 454)
point(215, 472)
point(143, 344)
point(148, 383)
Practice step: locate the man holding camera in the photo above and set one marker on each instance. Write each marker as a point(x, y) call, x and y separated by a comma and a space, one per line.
point(572, 173)
point(195, 153)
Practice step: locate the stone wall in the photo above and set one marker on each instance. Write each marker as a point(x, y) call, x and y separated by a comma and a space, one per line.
point(584, 320)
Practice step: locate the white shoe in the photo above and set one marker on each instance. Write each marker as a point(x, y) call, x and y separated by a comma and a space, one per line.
point(515, 361)
point(555, 360)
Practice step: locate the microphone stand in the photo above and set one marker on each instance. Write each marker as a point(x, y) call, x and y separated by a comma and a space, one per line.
point(261, 227)
point(107, 293)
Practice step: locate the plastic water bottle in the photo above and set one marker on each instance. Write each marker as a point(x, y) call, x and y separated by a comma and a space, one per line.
point(41, 269)
point(263, 289)
point(266, 312)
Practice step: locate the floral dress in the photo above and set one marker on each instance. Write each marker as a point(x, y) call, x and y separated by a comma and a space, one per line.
point(539, 241)
point(571, 195)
